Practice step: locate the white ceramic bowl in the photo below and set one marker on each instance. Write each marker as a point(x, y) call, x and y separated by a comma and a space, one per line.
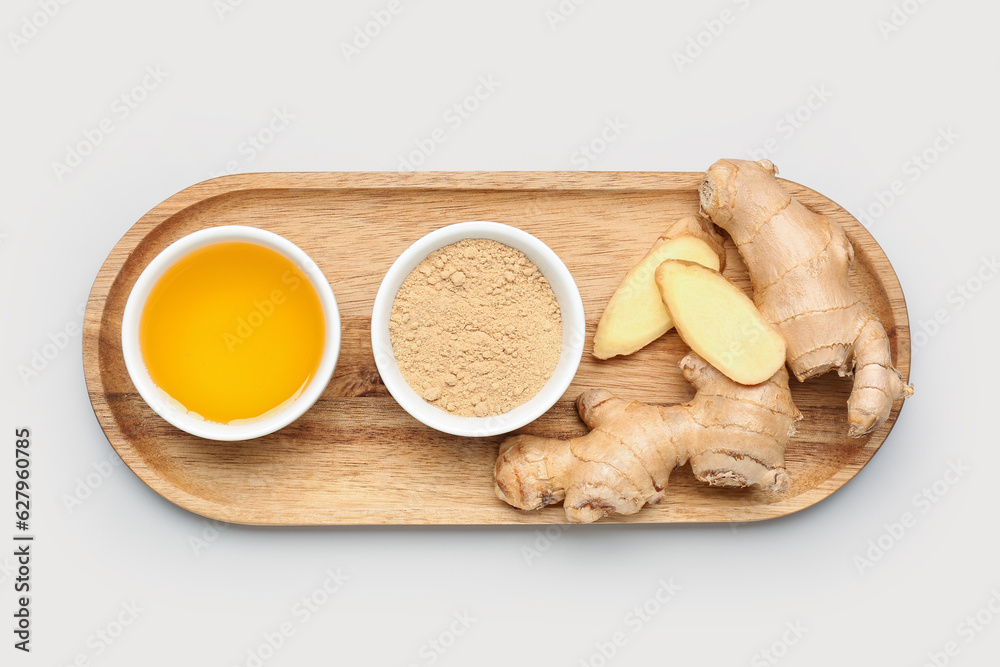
point(573, 329)
point(167, 408)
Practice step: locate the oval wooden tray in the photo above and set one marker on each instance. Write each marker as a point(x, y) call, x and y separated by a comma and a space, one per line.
point(356, 457)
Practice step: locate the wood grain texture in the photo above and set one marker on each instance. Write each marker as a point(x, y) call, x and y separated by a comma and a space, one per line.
point(356, 457)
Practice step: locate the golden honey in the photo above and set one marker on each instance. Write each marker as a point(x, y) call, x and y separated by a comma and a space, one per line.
point(232, 331)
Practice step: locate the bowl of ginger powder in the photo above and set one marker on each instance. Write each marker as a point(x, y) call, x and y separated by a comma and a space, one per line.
point(477, 329)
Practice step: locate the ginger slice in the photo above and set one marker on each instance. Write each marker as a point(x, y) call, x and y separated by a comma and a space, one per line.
point(635, 315)
point(719, 322)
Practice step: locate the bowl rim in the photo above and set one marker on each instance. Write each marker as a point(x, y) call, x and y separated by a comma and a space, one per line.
point(573, 329)
point(157, 399)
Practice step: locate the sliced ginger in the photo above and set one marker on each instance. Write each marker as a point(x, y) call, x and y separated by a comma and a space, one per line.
point(719, 322)
point(635, 315)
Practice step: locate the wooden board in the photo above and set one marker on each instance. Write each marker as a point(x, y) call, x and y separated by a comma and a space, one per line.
point(356, 457)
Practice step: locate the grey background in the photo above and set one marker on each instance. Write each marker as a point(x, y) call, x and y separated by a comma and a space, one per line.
point(211, 594)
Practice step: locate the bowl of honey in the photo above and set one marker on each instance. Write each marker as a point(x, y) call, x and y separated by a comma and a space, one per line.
point(231, 333)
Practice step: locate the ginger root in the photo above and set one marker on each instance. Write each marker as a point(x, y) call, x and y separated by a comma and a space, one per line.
point(635, 315)
point(732, 434)
point(798, 262)
point(719, 322)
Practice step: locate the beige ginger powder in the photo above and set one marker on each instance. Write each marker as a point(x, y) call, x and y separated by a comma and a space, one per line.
point(476, 328)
